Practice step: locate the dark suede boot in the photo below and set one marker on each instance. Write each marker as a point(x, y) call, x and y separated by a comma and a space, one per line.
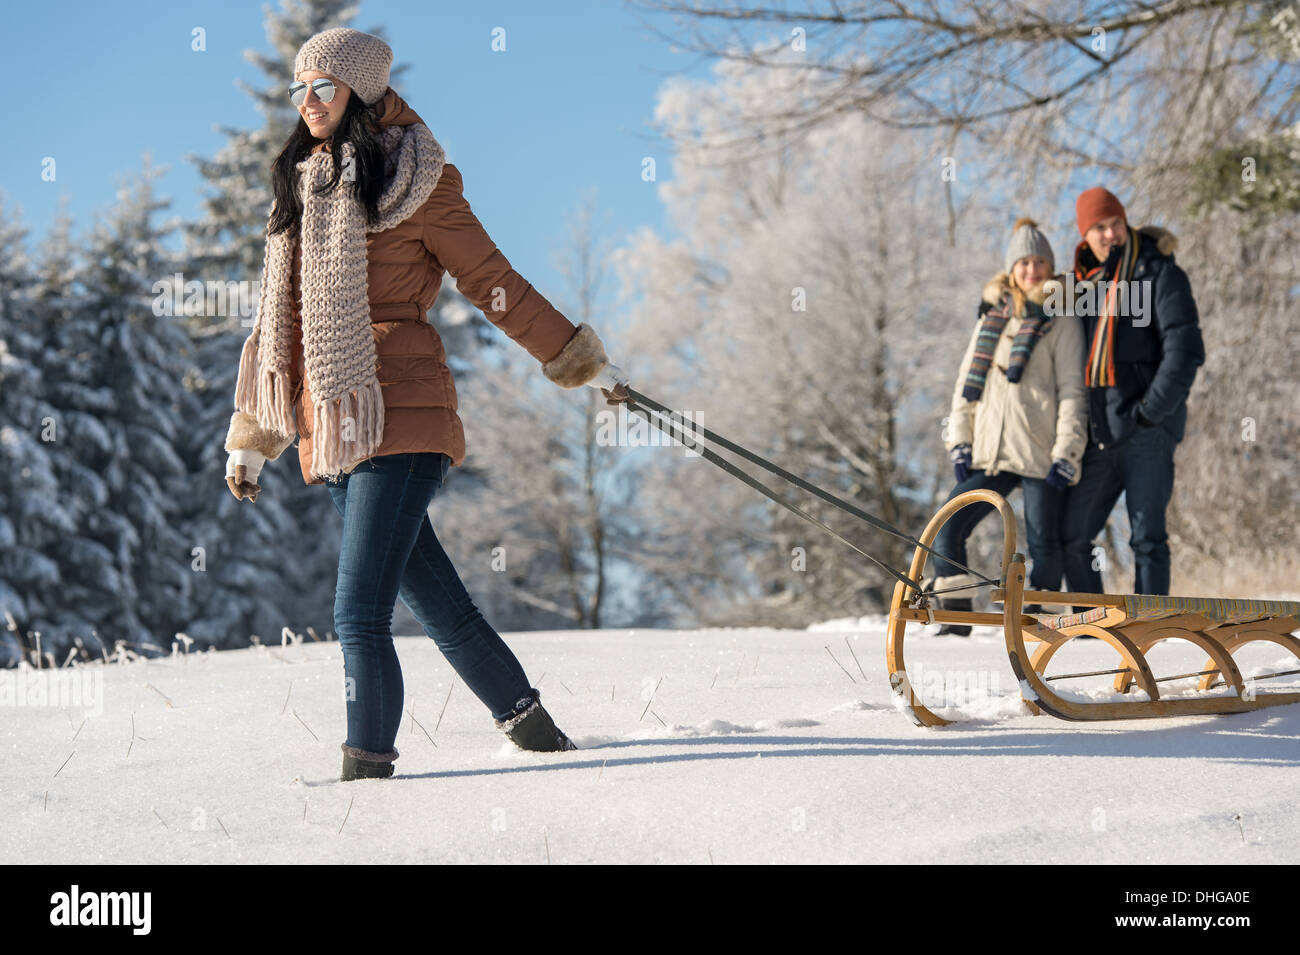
point(955, 629)
point(955, 592)
point(533, 729)
point(359, 764)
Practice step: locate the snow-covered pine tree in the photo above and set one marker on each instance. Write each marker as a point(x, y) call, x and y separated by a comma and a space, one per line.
point(64, 489)
point(112, 408)
point(33, 517)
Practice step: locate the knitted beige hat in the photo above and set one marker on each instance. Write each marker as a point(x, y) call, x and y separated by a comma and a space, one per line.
point(359, 59)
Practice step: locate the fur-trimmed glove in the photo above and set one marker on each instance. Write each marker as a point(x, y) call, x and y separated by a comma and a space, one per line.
point(582, 361)
point(250, 446)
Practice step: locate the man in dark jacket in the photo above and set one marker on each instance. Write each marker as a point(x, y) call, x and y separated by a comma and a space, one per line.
point(1143, 344)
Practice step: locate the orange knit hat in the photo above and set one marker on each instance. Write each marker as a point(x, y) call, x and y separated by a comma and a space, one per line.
point(1096, 204)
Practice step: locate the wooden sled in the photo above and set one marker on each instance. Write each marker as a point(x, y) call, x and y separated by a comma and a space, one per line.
point(1130, 624)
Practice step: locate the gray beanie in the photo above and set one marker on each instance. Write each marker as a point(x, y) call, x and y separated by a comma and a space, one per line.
point(360, 60)
point(1027, 240)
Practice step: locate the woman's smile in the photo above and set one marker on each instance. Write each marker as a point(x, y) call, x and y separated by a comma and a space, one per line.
point(323, 118)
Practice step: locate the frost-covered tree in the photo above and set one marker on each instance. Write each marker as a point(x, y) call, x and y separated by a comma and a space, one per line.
point(1236, 501)
point(1169, 92)
point(814, 311)
point(969, 66)
point(1258, 176)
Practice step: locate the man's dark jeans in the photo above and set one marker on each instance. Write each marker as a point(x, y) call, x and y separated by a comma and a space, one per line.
point(1142, 468)
point(1042, 522)
point(389, 549)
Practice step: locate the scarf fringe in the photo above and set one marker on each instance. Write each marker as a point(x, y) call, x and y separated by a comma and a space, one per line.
point(245, 391)
point(332, 450)
point(264, 393)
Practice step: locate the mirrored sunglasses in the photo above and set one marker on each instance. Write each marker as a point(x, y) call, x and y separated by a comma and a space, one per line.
point(323, 88)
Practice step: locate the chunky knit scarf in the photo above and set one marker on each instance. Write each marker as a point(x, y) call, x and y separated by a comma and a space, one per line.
point(1034, 324)
point(1100, 370)
point(338, 344)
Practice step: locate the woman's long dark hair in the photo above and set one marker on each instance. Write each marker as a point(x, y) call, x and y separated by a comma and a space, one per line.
point(358, 126)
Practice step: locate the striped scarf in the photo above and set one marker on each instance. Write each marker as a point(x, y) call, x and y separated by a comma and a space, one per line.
point(1100, 370)
point(1034, 325)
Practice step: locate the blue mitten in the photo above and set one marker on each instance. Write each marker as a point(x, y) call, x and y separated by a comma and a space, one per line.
point(961, 461)
point(1061, 473)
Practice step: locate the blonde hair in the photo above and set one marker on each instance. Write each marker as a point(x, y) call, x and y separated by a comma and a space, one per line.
point(1017, 293)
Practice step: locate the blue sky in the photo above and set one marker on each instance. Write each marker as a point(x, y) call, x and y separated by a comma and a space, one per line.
point(565, 109)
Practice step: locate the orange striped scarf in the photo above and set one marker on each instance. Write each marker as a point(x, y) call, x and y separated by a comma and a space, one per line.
point(1100, 369)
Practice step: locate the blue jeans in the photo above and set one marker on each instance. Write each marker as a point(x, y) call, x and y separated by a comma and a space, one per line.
point(389, 549)
point(1142, 468)
point(1042, 524)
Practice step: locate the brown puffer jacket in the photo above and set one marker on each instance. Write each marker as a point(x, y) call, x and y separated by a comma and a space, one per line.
point(405, 270)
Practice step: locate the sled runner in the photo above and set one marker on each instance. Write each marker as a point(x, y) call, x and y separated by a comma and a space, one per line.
point(1130, 624)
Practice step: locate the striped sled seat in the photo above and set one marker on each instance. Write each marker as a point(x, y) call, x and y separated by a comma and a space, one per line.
point(1131, 624)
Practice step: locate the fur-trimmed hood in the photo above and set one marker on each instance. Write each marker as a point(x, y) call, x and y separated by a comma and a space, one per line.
point(999, 287)
point(1166, 241)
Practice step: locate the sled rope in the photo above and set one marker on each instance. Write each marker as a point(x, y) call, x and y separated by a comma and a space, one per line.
point(674, 420)
point(1071, 676)
point(763, 489)
point(1262, 676)
point(1166, 679)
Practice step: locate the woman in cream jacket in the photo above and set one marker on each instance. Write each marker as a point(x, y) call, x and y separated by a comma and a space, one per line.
point(1018, 417)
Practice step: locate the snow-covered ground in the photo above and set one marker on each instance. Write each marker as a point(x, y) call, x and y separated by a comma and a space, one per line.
point(757, 746)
